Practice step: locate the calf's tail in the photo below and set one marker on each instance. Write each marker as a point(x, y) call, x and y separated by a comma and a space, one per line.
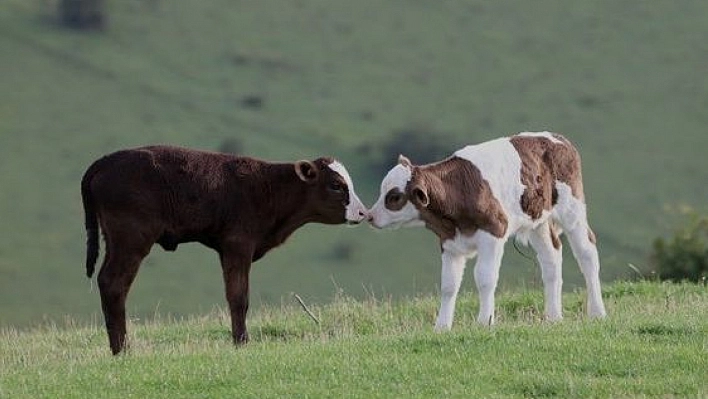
point(90, 221)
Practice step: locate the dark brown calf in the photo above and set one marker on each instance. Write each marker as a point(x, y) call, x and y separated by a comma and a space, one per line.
point(240, 207)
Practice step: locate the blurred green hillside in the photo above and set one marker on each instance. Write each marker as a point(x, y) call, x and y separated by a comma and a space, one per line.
point(284, 80)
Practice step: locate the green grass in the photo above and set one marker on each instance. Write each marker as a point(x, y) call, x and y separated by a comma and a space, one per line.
point(653, 344)
point(625, 81)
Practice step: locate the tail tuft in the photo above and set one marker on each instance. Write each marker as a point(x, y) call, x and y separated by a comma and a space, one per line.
point(91, 251)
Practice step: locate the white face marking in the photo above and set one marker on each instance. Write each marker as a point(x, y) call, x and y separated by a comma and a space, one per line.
point(356, 211)
point(408, 215)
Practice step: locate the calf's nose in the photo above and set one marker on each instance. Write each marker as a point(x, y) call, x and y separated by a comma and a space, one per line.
point(361, 215)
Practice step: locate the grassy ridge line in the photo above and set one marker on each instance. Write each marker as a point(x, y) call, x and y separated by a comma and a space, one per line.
point(653, 344)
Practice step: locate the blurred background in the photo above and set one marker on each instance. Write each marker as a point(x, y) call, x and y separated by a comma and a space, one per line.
point(359, 80)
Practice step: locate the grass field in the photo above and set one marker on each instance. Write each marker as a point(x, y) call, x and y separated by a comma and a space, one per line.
point(653, 344)
point(625, 81)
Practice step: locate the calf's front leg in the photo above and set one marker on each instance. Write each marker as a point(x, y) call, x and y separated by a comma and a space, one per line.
point(490, 250)
point(453, 267)
point(236, 266)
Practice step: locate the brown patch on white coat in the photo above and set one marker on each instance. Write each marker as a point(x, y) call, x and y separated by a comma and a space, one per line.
point(452, 196)
point(543, 163)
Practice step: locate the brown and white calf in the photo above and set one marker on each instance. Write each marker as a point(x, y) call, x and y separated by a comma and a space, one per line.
point(528, 186)
point(240, 207)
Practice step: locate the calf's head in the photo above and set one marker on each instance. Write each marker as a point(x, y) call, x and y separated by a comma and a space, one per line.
point(396, 206)
point(331, 197)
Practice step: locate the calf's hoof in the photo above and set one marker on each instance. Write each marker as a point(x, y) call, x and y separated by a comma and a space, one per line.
point(241, 339)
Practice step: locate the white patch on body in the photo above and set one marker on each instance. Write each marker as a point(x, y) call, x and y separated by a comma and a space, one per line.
point(355, 211)
point(500, 165)
point(408, 216)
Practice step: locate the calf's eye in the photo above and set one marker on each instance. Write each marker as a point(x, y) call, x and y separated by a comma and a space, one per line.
point(336, 186)
point(395, 200)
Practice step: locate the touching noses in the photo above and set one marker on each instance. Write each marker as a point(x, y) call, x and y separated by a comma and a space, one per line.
point(363, 215)
point(366, 215)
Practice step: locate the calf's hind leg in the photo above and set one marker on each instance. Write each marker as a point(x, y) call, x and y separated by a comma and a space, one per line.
point(573, 218)
point(585, 253)
point(119, 269)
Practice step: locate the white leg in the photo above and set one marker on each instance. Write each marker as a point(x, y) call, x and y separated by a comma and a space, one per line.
point(486, 274)
point(573, 217)
point(453, 267)
point(550, 259)
point(585, 253)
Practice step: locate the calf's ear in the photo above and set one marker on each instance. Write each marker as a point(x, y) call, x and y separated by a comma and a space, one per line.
point(419, 196)
point(403, 160)
point(306, 171)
